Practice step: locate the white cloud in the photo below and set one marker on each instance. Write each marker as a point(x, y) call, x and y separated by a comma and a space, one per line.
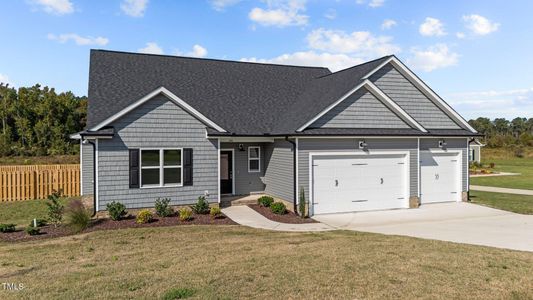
point(134, 8)
point(79, 40)
point(434, 57)
point(371, 3)
point(460, 35)
point(331, 14)
point(280, 13)
point(334, 62)
point(197, 51)
point(222, 4)
point(388, 24)
point(492, 103)
point(361, 43)
point(480, 25)
point(58, 7)
point(151, 48)
point(432, 27)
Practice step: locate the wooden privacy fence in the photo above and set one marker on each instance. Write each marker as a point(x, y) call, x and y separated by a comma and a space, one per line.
point(38, 181)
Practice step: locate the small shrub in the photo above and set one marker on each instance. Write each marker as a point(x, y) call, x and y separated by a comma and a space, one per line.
point(116, 210)
point(519, 152)
point(33, 230)
point(5, 228)
point(492, 165)
point(144, 216)
point(185, 214)
point(162, 208)
point(215, 212)
point(178, 293)
point(201, 207)
point(77, 216)
point(40, 223)
point(301, 203)
point(265, 201)
point(278, 208)
point(55, 208)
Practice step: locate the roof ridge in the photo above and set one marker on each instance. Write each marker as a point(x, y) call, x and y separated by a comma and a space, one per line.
point(210, 59)
point(359, 65)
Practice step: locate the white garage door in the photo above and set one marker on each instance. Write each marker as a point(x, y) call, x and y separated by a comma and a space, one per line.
point(440, 175)
point(359, 182)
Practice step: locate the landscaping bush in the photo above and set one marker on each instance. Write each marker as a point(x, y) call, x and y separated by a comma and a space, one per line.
point(78, 217)
point(265, 201)
point(33, 230)
point(215, 212)
point(185, 214)
point(278, 208)
point(144, 216)
point(116, 210)
point(301, 203)
point(5, 228)
point(55, 208)
point(40, 223)
point(162, 208)
point(178, 293)
point(201, 206)
point(492, 165)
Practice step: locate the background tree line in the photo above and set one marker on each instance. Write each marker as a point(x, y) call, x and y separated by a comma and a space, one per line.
point(37, 121)
point(501, 132)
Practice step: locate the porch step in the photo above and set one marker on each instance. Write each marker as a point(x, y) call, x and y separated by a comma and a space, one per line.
point(239, 200)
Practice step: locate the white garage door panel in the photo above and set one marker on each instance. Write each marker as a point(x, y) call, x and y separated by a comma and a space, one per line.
point(440, 177)
point(358, 183)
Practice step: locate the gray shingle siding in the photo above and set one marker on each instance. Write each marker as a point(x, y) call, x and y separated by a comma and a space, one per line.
point(360, 110)
point(349, 145)
point(158, 123)
point(246, 182)
point(279, 174)
point(87, 169)
point(451, 144)
point(412, 100)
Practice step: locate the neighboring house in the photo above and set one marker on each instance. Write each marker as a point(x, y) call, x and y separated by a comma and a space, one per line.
point(475, 151)
point(369, 137)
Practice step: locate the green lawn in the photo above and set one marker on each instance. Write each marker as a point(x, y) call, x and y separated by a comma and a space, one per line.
point(524, 166)
point(235, 262)
point(21, 213)
point(516, 203)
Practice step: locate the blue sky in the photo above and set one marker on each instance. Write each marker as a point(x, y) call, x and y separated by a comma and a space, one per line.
point(476, 54)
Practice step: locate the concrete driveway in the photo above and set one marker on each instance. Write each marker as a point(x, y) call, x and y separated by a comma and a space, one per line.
point(455, 222)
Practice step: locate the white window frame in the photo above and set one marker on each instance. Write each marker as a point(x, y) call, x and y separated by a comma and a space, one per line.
point(258, 158)
point(161, 168)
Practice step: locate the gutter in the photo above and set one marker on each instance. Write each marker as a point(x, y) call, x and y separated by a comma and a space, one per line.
point(293, 174)
point(94, 173)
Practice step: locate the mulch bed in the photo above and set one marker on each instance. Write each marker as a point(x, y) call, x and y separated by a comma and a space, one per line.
point(49, 231)
point(289, 217)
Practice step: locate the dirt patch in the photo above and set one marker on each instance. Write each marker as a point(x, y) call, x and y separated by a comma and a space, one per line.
point(49, 231)
point(289, 217)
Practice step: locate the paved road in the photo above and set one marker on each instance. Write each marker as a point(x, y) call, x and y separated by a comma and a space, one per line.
point(455, 222)
point(494, 189)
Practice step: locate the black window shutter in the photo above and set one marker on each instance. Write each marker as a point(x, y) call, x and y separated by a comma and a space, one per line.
point(134, 168)
point(187, 166)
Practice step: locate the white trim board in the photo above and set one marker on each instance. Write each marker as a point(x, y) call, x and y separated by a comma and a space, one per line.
point(178, 101)
point(388, 102)
point(424, 88)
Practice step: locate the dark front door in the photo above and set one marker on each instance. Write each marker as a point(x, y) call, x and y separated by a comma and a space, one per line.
point(226, 172)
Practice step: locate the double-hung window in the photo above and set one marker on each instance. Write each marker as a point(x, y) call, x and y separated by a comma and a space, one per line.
point(161, 167)
point(254, 159)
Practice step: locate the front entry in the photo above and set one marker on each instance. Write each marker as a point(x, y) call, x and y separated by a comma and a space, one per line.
point(226, 172)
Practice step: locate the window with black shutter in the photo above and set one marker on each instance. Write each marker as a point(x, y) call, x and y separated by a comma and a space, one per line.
point(187, 166)
point(134, 168)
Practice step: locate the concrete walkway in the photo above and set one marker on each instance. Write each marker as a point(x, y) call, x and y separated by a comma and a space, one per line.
point(455, 222)
point(246, 216)
point(494, 189)
point(494, 174)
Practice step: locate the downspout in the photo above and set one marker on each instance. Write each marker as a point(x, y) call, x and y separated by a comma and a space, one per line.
point(293, 174)
point(94, 174)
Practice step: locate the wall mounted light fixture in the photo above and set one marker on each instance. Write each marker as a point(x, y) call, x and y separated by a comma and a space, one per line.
point(241, 147)
point(442, 144)
point(363, 145)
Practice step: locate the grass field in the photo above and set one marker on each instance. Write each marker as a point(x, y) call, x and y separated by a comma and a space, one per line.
point(505, 162)
point(516, 203)
point(21, 213)
point(232, 262)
